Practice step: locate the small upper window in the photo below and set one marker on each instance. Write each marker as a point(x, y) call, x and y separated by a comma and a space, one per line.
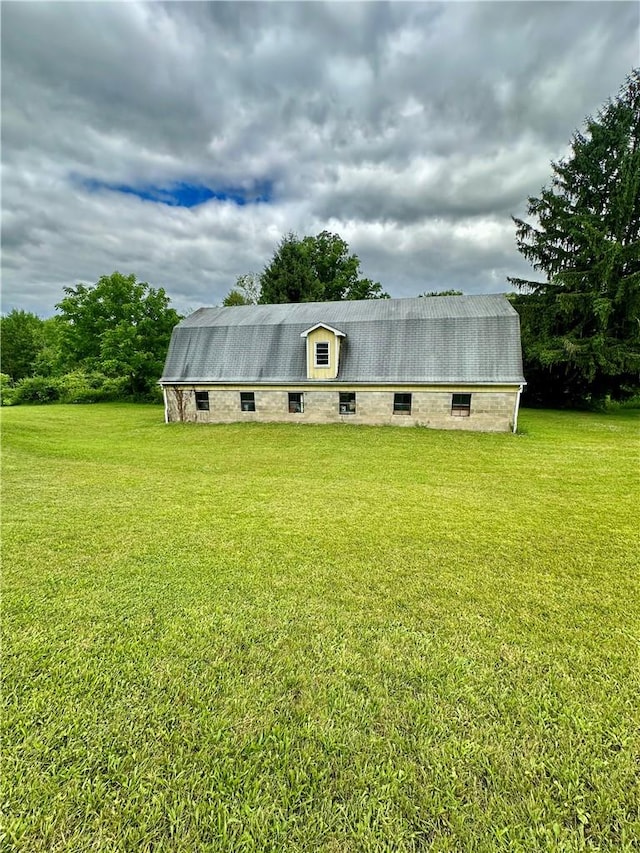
point(402, 404)
point(247, 401)
point(296, 403)
point(202, 401)
point(322, 354)
point(461, 405)
point(347, 403)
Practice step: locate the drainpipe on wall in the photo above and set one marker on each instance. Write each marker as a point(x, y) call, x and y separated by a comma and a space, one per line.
point(166, 405)
point(515, 410)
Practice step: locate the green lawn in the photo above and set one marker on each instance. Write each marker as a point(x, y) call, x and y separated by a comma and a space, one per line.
point(319, 638)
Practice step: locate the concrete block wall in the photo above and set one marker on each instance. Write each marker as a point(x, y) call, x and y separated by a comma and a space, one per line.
point(491, 410)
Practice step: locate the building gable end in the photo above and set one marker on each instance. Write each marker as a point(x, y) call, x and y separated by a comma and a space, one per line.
point(331, 329)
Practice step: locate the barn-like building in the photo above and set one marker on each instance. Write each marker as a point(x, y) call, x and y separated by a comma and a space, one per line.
point(448, 362)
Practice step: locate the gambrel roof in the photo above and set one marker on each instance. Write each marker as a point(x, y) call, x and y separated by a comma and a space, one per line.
point(425, 340)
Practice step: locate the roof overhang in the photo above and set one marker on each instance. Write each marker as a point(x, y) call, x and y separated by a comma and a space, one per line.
point(390, 383)
point(336, 332)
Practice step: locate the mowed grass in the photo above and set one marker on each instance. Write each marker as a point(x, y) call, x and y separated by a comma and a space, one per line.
point(319, 638)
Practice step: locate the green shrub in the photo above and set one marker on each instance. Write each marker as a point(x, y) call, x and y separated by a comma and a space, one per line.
point(80, 387)
point(6, 389)
point(75, 387)
point(36, 389)
point(113, 388)
point(156, 396)
point(630, 403)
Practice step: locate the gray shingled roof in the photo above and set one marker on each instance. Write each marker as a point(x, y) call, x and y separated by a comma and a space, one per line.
point(440, 339)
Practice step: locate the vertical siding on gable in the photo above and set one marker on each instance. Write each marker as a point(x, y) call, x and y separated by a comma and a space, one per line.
point(331, 371)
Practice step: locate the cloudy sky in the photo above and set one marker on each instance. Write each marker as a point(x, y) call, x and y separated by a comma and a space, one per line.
point(180, 141)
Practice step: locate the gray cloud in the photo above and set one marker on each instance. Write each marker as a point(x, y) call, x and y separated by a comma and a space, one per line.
point(413, 130)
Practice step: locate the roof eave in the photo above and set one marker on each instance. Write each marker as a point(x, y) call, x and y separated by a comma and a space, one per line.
point(326, 326)
point(350, 382)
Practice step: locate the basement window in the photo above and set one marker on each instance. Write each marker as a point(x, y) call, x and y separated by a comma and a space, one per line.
point(202, 401)
point(322, 354)
point(461, 405)
point(296, 403)
point(402, 404)
point(247, 401)
point(347, 402)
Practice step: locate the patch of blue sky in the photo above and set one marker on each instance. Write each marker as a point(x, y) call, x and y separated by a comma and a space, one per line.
point(183, 194)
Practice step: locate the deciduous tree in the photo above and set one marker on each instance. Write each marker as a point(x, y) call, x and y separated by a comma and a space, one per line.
point(21, 340)
point(119, 327)
point(246, 291)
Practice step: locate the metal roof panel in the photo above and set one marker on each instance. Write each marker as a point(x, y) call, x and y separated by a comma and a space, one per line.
point(447, 339)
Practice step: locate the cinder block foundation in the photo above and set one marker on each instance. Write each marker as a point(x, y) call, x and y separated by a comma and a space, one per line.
point(491, 410)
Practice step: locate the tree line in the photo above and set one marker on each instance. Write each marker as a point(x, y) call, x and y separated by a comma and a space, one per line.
point(108, 341)
point(580, 322)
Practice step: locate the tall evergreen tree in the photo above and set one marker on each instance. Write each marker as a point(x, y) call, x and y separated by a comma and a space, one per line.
point(290, 276)
point(315, 269)
point(581, 325)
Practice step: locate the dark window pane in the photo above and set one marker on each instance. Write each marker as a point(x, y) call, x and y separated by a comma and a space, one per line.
point(347, 403)
point(322, 354)
point(247, 401)
point(461, 405)
point(296, 402)
point(402, 404)
point(202, 401)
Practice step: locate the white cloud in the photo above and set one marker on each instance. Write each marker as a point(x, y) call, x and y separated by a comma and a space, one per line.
point(412, 130)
